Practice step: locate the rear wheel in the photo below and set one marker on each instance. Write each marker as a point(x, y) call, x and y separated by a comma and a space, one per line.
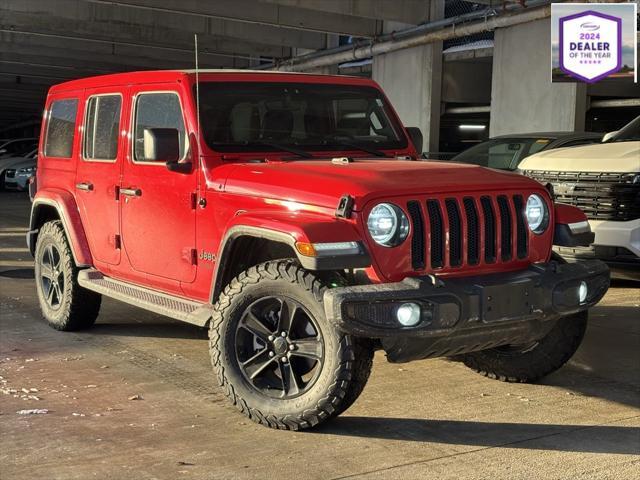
point(276, 356)
point(65, 305)
point(530, 362)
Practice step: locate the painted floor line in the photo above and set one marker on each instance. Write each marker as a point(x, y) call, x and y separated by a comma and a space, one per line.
point(16, 263)
point(12, 234)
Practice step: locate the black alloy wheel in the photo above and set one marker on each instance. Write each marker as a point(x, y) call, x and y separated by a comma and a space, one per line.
point(279, 347)
point(51, 276)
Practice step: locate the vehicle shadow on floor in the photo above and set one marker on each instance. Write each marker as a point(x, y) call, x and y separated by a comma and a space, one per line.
point(577, 382)
point(575, 438)
point(607, 364)
point(19, 273)
point(160, 329)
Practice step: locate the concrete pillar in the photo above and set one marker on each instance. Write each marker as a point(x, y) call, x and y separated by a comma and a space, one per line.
point(523, 99)
point(412, 79)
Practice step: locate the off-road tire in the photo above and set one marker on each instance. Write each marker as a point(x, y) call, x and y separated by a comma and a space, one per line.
point(347, 361)
point(534, 361)
point(363, 364)
point(78, 308)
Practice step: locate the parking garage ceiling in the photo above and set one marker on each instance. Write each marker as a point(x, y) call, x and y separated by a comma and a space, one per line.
point(46, 42)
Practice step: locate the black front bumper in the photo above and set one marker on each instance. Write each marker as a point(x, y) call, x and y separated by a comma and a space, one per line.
point(465, 314)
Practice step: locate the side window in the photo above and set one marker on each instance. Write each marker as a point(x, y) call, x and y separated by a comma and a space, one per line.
point(102, 127)
point(157, 110)
point(61, 128)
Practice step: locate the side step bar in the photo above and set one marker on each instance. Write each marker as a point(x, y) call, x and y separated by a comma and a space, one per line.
point(162, 303)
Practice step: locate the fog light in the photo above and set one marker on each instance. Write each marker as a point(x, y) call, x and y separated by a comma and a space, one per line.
point(408, 314)
point(582, 292)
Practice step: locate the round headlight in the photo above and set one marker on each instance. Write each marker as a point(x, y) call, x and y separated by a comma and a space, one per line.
point(537, 214)
point(388, 225)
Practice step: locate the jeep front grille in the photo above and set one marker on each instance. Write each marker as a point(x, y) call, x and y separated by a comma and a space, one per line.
point(10, 173)
point(601, 196)
point(453, 232)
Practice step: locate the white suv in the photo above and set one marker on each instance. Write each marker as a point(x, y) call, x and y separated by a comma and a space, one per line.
point(604, 181)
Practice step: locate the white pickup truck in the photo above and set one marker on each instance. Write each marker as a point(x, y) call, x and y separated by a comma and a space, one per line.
point(604, 181)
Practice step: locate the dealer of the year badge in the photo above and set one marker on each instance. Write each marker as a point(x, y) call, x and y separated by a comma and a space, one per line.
point(590, 45)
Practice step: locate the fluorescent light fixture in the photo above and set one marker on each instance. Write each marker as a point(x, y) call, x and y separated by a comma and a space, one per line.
point(471, 127)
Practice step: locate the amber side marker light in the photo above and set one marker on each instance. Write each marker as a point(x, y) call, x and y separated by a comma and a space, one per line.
point(327, 249)
point(306, 249)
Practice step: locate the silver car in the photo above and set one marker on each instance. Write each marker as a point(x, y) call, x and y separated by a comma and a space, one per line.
point(15, 172)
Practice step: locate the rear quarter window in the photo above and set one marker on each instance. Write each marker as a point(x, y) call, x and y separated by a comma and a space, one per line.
point(61, 128)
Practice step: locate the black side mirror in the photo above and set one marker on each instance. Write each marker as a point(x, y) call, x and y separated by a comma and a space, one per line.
point(416, 138)
point(184, 167)
point(161, 144)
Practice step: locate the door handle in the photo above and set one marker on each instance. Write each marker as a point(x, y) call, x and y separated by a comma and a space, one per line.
point(86, 186)
point(131, 192)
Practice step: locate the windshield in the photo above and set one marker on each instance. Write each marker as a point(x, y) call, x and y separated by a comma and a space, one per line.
point(259, 117)
point(629, 133)
point(502, 153)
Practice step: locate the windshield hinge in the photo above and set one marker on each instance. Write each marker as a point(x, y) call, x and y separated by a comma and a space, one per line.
point(341, 160)
point(194, 200)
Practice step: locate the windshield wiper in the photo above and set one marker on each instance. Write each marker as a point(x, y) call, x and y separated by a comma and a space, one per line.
point(371, 150)
point(277, 146)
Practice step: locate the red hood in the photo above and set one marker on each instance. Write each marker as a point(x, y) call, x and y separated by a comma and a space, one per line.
point(322, 183)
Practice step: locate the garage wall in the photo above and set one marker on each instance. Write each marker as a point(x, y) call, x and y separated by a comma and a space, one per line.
point(523, 99)
point(466, 81)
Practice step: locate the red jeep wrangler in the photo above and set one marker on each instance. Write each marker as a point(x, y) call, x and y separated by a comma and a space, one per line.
point(288, 214)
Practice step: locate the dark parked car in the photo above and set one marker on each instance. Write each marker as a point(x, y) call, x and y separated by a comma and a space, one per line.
point(507, 151)
point(17, 147)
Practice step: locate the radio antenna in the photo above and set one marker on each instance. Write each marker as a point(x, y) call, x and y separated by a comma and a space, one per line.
point(195, 37)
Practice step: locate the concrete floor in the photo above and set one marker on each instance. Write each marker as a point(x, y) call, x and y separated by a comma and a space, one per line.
point(429, 419)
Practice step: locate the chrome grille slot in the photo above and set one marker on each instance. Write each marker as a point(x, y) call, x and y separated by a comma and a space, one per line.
point(505, 228)
point(489, 230)
point(473, 231)
point(437, 233)
point(601, 196)
point(417, 238)
point(521, 228)
point(455, 232)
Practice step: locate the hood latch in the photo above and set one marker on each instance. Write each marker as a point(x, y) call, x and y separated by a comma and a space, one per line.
point(345, 206)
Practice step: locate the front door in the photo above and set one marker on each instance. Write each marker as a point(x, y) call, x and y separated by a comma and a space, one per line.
point(98, 173)
point(157, 205)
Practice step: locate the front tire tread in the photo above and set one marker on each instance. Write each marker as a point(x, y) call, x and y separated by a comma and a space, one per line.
point(336, 400)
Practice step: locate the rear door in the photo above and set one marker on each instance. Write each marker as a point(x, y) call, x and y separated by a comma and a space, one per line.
point(98, 172)
point(158, 205)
